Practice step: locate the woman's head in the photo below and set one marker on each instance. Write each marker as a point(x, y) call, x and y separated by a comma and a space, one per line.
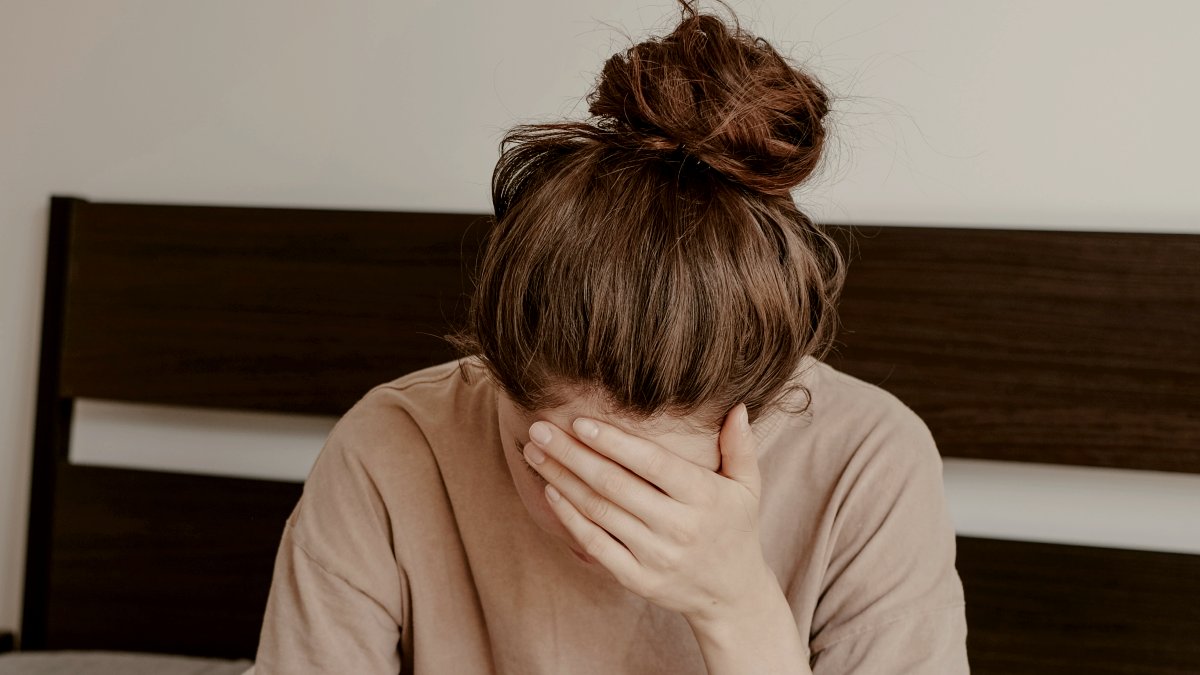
point(652, 257)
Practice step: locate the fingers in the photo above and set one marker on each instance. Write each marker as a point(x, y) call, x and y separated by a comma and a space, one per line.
point(601, 475)
point(595, 541)
point(678, 478)
point(596, 507)
point(739, 458)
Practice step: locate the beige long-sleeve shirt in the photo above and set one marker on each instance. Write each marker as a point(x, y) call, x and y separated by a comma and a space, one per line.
point(410, 550)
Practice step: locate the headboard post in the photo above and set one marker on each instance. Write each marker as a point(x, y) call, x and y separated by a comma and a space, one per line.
point(52, 423)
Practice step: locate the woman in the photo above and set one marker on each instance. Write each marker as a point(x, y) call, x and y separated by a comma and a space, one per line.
point(640, 464)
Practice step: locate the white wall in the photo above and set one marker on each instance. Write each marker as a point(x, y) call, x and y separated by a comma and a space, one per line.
point(1070, 114)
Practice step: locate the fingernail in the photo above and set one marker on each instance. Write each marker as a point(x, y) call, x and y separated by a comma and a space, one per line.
point(534, 455)
point(539, 433)
point(586, 428)
point(744, 415)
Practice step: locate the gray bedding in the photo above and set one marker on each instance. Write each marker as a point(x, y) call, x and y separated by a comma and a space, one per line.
point(114, 663)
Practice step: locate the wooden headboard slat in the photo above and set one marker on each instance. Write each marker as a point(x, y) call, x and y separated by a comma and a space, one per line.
point(163, 562)
point(247, 308)
point(1035, 346)
point(1035, 608)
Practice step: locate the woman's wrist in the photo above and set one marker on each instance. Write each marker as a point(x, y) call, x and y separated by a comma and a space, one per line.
point(759, 637)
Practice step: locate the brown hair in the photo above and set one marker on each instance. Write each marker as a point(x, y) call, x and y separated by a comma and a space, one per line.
point(653, 255)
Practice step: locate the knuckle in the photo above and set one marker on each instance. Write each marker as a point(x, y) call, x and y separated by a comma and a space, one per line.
point(553, 472)
point(660, 560)
point(637, 587)
point(612, 483)
point(628, 581)
point(682, 533)
point(566, 453)
point(671, 556)
point(597, 507)
point(651, 589)
point(591, 545)
point(661, 557)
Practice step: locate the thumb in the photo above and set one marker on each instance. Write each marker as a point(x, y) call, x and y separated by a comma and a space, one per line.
point(739, 461)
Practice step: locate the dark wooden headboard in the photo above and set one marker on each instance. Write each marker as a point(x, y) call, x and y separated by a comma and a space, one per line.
point(1060, 347)
point(1019, 345)
point(287, 310)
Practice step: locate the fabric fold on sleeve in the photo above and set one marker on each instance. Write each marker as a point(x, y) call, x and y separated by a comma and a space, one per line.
point(892, 600)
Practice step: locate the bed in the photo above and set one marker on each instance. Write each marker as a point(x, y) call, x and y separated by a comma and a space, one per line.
point(1067, 348)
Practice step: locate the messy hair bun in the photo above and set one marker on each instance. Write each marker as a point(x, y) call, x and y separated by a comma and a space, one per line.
point(723, 96)
point(652, 254)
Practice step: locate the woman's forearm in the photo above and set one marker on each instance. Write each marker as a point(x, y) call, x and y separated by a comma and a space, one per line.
point(764, 640)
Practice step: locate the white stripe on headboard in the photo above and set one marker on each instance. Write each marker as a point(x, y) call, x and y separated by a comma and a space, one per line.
point(273, 446)
point(1118, 508)
point(1090, 506)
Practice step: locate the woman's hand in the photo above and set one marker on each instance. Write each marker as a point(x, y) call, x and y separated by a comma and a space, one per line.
point(692, 545)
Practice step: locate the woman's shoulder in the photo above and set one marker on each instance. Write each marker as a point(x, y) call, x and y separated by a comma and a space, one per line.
point(396, 425)
point(433, 375)
point(446, 379)
point(887, 437)
point(889, 541)
point(850, 421)
point(383, 449)
point(451, 392)
point(845, 398)
point(838, 399)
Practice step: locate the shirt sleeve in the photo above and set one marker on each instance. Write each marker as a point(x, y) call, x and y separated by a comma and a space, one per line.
point(892, 600)
point(335, 603)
